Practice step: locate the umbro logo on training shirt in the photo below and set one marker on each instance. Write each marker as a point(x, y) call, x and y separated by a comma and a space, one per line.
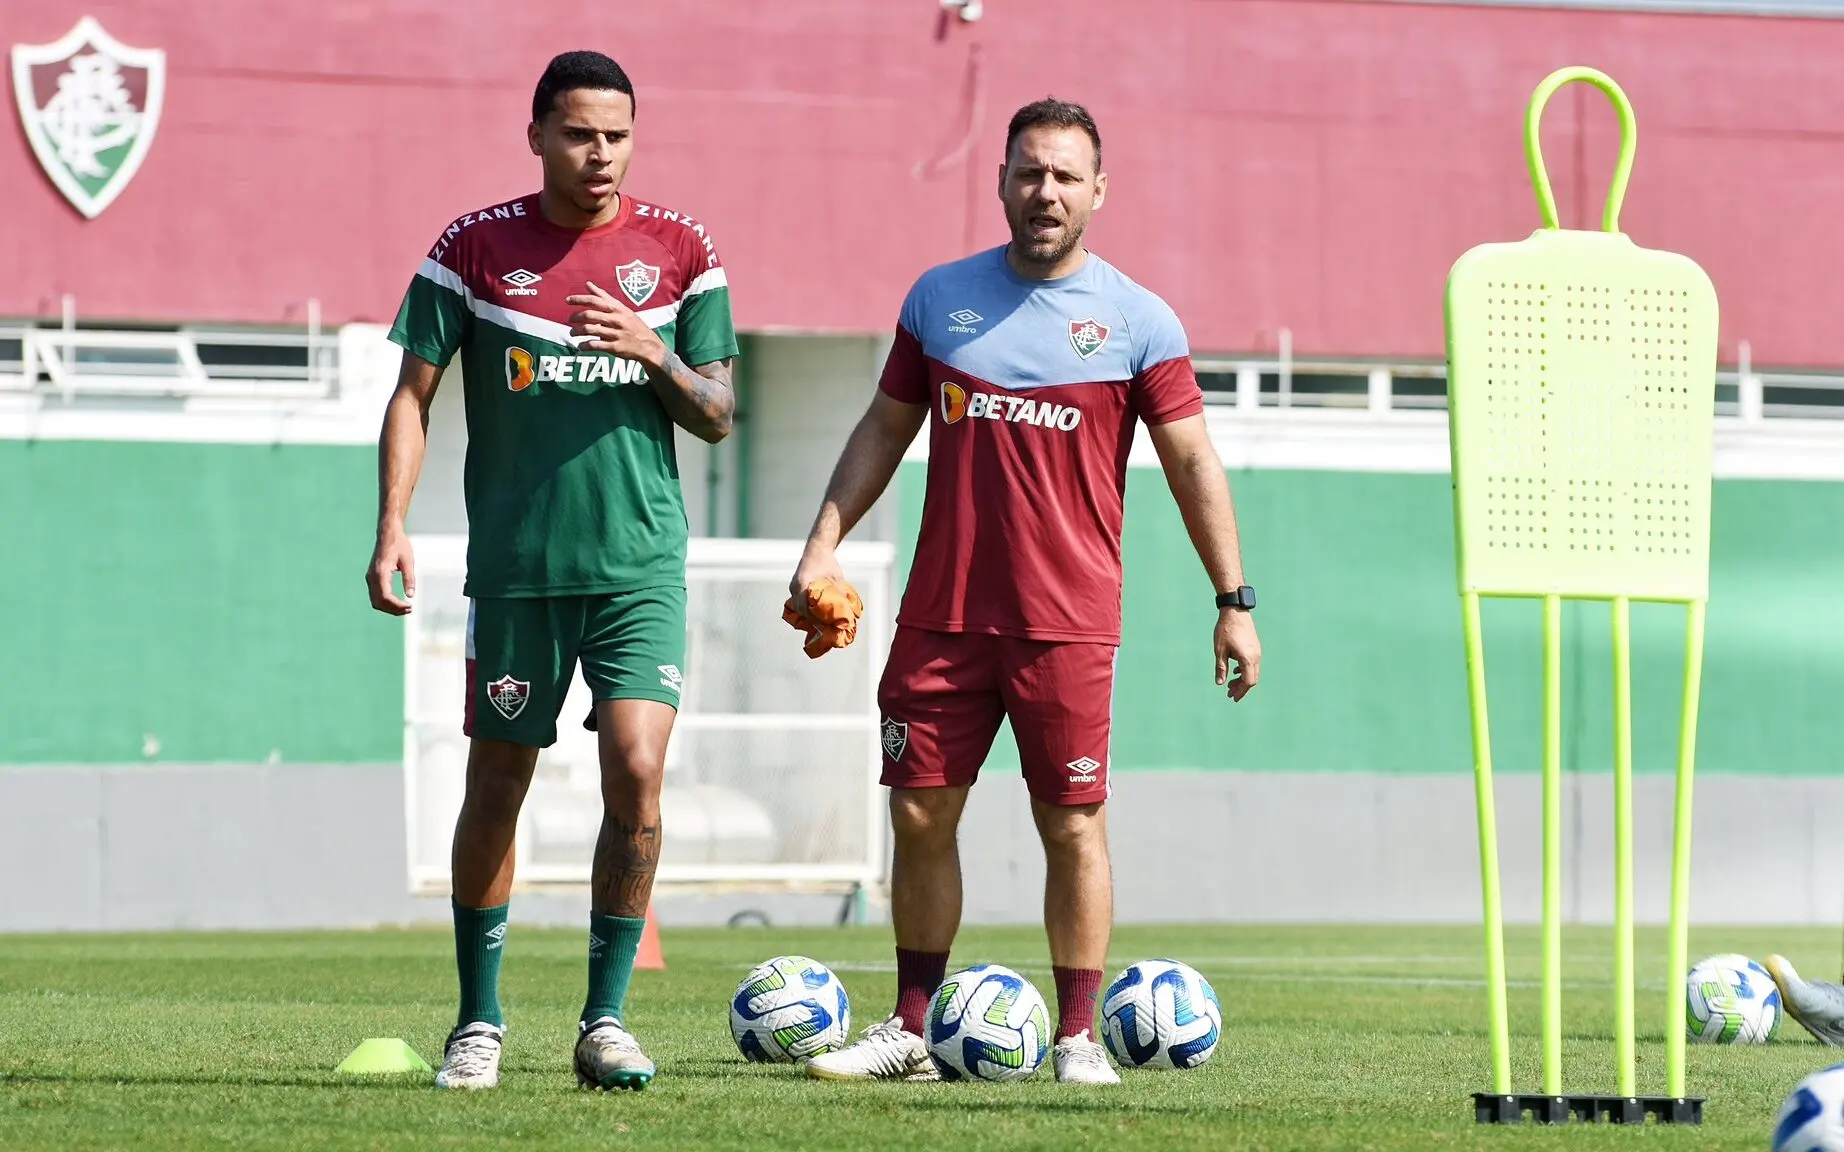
point(519, 283)
point(964, 319)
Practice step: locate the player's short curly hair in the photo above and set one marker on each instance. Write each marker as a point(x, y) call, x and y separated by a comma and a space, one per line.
point(571, 70)
point(1052, 113)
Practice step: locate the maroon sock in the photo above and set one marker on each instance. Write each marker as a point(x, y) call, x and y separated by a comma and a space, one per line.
point(1077, 989)
point(918, 974)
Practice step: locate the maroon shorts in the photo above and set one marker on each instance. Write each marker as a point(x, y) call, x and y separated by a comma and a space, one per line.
point(944, 694)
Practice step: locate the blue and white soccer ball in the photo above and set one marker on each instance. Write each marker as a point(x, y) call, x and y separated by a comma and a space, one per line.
point(988, 1023)
point(788, 1010)
point(1161, 1014)
point(1812, 1119)
point(1730, 999)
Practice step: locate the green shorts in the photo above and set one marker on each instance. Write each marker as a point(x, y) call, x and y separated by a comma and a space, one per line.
point(522, 655)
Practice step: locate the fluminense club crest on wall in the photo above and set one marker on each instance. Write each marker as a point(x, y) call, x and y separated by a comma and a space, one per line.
point(89, 104)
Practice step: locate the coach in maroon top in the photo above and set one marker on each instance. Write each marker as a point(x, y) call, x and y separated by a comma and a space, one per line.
point(1032, 364)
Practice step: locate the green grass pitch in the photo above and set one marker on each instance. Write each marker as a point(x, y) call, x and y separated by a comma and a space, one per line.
point(1334, 1038)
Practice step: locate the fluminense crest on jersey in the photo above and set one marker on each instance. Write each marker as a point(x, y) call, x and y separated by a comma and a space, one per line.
point(89, 105)
point(638, 281)
point(1087, 336)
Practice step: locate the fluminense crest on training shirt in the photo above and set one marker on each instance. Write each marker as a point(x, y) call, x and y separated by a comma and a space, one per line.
point(1087, 336)
point(89, 105)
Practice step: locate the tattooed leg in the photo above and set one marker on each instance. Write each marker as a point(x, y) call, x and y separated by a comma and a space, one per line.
point(632, 735)
point(626, 857)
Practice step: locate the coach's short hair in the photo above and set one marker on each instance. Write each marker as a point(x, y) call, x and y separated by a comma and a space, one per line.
point(571, 70)
point(1052, 113)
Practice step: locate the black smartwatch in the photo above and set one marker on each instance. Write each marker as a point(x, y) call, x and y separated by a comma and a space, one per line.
point(1243, 597)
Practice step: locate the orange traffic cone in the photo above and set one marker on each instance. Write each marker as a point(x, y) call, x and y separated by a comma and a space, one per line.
point(650, 955)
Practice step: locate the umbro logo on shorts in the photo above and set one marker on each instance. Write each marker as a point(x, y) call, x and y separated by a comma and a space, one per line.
point(1082, 771)
point(508, 696)
point(896, 738)
point(671, 677)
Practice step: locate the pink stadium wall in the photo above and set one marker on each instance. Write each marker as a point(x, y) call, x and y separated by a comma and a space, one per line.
point(1314, 165)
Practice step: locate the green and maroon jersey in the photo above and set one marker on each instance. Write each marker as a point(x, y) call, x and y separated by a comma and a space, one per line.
point(571, 481)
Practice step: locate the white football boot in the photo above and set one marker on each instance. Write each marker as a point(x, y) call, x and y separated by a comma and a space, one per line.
point(1080, 1060)
point(883, 1052)
point(608, 1056)
point(470, 1058)
point(1818, 1006)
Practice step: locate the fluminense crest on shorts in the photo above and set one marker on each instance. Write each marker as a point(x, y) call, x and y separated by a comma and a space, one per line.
point(89, 105)
point(896, 738)
point(637, 281)
point(508, 696)
point(1087, 336)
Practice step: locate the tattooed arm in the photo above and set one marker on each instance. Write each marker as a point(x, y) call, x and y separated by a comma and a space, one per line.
point(698, 399)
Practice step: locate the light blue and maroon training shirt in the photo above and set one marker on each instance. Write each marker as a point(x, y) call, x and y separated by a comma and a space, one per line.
point(1034, 386)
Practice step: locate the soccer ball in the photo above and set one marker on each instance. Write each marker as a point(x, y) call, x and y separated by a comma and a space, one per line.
point(788, 1010)
point(1812, 1119)
point(1730, 999)
point(988, 1023)
point(1161, 1014)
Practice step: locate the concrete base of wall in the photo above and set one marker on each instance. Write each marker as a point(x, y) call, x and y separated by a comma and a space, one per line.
point(293, 846)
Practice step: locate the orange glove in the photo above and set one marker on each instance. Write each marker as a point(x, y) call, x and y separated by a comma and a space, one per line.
point(829, 615)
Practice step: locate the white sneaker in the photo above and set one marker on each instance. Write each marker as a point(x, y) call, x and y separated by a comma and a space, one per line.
point(1817, 1006)
point(883, 1052)
point(608, 1056)
point(470, 1058)
point(1080, 1060)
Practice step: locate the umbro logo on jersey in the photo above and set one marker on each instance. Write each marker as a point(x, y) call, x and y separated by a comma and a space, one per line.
point(1087, 336)
point(519, 283)
point(637, 281)
point(964, 319)
point(958, 404)
point(508, 696)
point(1082, 771)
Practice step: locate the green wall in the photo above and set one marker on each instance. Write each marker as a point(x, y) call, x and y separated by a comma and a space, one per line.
point(1363, 667)
point(208, 595)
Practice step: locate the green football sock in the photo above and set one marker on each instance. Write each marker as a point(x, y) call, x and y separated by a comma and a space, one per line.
point(613, 942)
point(480, 936)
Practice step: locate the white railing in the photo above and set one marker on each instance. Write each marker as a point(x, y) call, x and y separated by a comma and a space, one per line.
point(1742, 394)
point(65, 360)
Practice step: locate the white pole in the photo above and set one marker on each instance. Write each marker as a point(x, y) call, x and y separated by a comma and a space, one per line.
point(1748, 391)
point(313, 341)
point(1286, 368)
